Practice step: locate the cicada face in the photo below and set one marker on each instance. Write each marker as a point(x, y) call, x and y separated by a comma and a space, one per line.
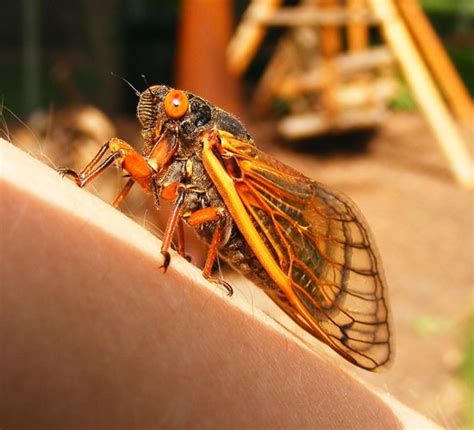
point(163, 110)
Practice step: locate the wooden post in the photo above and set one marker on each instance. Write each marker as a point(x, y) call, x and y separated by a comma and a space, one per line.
point(357, 32)
point(331, 45)
point(425, 91)
point(438, 60)
point(330, 34)
point(357, 42)
point(205, 29)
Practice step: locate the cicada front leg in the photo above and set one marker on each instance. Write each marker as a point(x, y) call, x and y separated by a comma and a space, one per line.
point(93, 169)
point(128, 159)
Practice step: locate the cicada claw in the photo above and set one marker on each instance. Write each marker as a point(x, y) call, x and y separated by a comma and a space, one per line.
point(64, 171)
point(166, 260)
point(222, 283)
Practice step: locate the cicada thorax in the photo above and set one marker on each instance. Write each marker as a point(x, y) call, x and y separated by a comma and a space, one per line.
point(175, 151)
point(173, 125)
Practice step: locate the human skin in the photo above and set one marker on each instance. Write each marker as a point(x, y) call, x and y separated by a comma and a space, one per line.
point(95, 335)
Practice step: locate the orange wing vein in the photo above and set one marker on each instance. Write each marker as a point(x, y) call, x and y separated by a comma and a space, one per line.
point(323, 245)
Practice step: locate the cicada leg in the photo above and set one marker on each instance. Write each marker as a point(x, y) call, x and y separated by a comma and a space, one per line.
point(202, 216)
point(129, 160)
point(211, 257)
point(173, 192)
point(178, 192)
point(91, 171)
point(125, 190)
point(181, 241)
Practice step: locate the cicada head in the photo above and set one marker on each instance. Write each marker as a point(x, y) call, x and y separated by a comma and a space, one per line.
point(163, 108)
point(174, 123)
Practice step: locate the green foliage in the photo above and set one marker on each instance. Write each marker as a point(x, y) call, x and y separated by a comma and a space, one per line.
point(447, 6)
point(453, 20)
point(403, 99)
point(430, 325)
point(467, 373)
point(280, 106)
point(463, 58)
point(446, 17)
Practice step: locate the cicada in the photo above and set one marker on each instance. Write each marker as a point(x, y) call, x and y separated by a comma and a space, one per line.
point(308, 247)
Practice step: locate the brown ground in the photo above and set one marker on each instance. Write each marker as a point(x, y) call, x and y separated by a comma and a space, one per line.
point(423, 224)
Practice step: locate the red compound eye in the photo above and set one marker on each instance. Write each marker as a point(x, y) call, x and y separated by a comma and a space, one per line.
point(176, 104)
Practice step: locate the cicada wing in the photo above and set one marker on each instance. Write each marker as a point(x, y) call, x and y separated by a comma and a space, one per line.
point(323, 244)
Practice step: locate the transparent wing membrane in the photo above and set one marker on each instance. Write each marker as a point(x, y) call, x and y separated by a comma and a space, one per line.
point(323, 245)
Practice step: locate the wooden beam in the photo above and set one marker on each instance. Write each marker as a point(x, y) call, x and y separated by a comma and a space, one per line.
point(425, 92)
point(301, 126)
point(344, 65)
point(312, 16)
point(438, 60)
point(249, 35)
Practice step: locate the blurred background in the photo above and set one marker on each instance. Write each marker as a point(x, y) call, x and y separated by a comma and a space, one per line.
point(335, 103)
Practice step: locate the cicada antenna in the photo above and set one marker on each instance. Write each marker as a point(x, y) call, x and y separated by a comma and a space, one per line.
point(137, 93)
point(145, 80)
point(3, 122)
point(147, 85)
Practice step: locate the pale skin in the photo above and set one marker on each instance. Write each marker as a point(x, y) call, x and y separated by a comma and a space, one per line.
point(94, 335)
